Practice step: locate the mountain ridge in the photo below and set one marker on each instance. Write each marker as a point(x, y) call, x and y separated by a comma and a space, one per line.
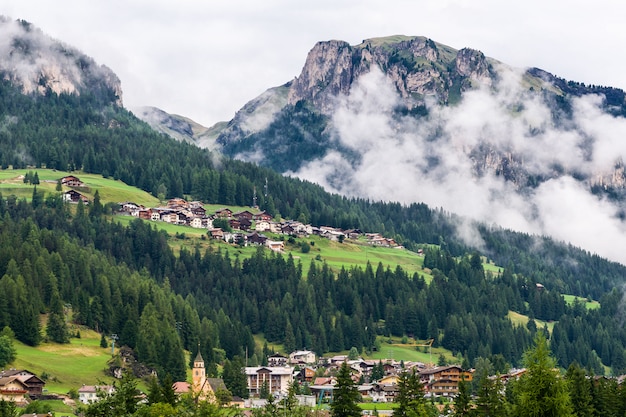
point(38, 64)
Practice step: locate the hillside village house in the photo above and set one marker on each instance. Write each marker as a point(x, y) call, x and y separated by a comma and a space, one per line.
point(262, 216)
point(277, 378)
point(13, 390)
point(262, 225)
point(302, 357)
point(73, 196)
point(72, 181)
point(444, 380)
point(33, 383)
point(276, 360)
point(88, 394)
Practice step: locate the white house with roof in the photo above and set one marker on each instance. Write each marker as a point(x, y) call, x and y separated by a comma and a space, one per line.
point(302, 356)
point(88, 394)
point(277, 378)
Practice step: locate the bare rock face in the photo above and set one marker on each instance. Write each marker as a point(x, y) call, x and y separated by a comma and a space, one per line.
point(37, 64)
point(327, 72)
point(417, 66)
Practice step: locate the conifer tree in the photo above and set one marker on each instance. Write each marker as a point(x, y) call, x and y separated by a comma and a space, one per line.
point(580, 391)
point(462, 402)
point(410, 399)
point(345, 395)
point(541, 391)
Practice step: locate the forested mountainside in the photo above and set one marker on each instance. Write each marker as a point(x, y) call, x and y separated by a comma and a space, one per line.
point(127, 280)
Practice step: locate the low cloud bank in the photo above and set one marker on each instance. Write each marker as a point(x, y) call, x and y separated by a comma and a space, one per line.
point(430, 160)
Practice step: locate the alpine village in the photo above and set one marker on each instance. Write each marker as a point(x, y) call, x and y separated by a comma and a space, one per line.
point(144, 275)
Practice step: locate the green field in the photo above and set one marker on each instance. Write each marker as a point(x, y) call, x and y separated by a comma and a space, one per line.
point(590, 305)
point(11, 182)
point(67, 366)
point(522, 320)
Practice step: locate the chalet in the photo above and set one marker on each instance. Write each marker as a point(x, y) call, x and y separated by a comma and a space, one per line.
point(224, 213)
point(262, 225)
point(196, 223)
point(217, 233)
point(255, 238)
point(243, 215)
point(264, 216)
point(155, 216)
point(129, 207)
point(33, 383)
point(338, 359)
point(198, 211)
point(245, 224)
point(177, 203)
point(88, 394)
point(72, 181)
point(276, 246)
point(234, 223)
point(275, 227)
point(13, 390)
point(302, 357)
point(353, 233)
point(288, 229)
point(73, 196)
point(169, 217)
point(444, 380)
point(145, 214)
point(276, 360)
point(207, 222)
point(296, 228)
point(277, 379)
point(306, 375)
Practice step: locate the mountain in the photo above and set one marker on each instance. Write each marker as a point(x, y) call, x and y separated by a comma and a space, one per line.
point(179, 127)
point(521, 148)
point(39, 64)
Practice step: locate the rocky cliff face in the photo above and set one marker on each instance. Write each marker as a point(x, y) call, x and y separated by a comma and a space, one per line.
point(295, 125)
point(37, 63)
point(417, 66)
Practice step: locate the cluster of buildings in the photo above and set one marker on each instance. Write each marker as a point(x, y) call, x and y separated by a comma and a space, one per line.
point(318, 375)
point(247, 226)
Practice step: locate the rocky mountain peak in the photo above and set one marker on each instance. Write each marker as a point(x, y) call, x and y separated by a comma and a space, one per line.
point(417, 66)
point(37, 63)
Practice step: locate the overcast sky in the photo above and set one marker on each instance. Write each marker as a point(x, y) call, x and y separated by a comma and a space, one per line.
point(206, 59)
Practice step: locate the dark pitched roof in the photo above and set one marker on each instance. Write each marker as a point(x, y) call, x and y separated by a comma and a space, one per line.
point(216, 384)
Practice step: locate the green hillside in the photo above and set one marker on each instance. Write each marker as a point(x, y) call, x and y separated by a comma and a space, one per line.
point(66, 366)
point(336, 255)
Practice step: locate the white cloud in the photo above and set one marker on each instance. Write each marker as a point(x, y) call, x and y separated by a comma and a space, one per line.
point(401, 160)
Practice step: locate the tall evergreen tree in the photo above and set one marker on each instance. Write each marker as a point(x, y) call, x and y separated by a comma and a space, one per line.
point(410, 398)
point(234, 377)
point(463, 400)
point(580, 391)
point(345, 395)
point(541, 391)
point(490, 400)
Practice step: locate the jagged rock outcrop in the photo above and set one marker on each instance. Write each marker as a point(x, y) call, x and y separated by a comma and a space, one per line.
point(418, 67)
point(37, 63)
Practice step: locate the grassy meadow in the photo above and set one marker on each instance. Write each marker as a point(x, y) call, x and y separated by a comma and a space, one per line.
point(66, 366)
point(12, 182)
